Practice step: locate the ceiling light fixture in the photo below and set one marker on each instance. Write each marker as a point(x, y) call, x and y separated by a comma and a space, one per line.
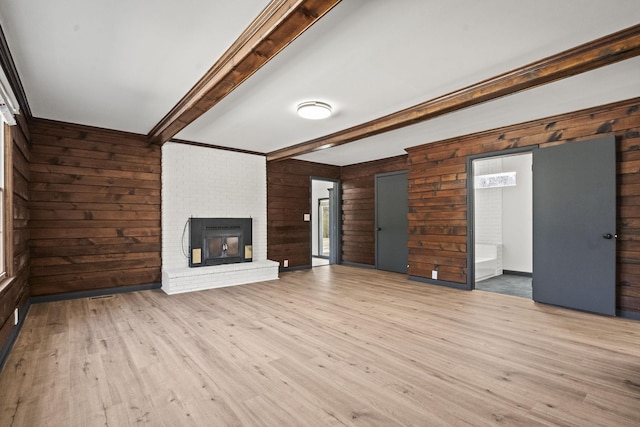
point(323, 147)
point(314, 110)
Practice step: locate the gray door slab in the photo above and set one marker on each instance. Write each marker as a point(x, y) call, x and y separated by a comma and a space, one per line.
point(392, 209)
point(574, 225)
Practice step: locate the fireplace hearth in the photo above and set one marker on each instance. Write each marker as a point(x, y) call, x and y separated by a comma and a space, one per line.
point(215, 241)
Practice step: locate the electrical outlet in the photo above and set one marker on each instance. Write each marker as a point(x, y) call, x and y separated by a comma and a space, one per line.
point(15, 316)
point(434, 274)
point(285, 263)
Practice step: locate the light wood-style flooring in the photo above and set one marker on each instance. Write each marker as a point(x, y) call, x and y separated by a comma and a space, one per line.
point(332, 346)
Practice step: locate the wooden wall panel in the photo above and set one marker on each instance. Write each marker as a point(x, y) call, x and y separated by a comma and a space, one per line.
point(358, 207)
point(437, 190)
point(288, 199)
point(94, 209)
point(15, 293)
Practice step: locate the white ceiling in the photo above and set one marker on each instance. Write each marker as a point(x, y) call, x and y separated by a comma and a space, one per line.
point(117, 64)
point(123, 64)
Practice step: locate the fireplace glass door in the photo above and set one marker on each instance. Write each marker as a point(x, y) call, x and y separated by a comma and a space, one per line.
point(220, 246)
point(214, 241)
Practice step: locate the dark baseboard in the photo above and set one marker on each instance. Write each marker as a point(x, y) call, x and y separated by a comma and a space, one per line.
point(6, 349)
point(94, 293)
point(517, 273)
point(300, 267)
point(633, 315)
point(356, 264)
point(308, 267)
point(454, 285)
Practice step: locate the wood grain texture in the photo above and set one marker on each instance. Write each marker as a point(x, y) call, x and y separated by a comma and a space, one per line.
point(94, 209)
point(288, 199)
point(280, 23)
point(589, 56)
point(358, 207)
point(437, 189)
point(329, 346)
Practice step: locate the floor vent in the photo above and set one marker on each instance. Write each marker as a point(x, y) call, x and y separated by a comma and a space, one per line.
point(102, 297)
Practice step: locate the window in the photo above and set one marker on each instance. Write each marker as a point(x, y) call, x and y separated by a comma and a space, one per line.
point(3, 240)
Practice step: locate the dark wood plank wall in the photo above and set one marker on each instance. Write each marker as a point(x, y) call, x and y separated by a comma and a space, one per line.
point(95, 209)
point(16, 292)
point(437, 190)
point(288, 199)
point(358, 207)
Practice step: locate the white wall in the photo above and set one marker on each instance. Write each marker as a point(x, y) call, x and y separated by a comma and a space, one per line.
point(205, 182)
point(517, 215)
point(488, 204)
point(488, 220)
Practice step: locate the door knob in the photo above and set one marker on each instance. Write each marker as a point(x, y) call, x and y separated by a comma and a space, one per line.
point(607, 236)
point(379, 229)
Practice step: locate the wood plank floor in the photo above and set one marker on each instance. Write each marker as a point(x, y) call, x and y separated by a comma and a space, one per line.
point(332, 346)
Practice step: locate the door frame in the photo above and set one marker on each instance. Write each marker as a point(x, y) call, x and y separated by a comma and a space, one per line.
point(375, 207)
point(471, 240)
point(335, 222)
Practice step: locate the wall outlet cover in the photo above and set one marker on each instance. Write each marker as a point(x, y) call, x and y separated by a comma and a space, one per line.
point(434, 274)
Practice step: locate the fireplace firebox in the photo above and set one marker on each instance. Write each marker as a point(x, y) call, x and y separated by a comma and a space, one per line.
point(215, 241)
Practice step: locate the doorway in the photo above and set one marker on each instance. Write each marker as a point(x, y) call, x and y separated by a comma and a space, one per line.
point(503, 224)
point(573, 223)
point(325, 214)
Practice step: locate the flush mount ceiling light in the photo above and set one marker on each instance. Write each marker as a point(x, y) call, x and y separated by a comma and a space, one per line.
point(314, 110)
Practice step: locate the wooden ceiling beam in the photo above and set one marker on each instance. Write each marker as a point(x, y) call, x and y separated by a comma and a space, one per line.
point(280, 23)
point(598, 53)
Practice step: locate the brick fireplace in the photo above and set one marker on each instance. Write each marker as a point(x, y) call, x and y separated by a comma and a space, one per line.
point(236, 188)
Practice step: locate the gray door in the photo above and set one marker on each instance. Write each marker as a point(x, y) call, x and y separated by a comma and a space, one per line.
point(574, 223)
point(392, 209)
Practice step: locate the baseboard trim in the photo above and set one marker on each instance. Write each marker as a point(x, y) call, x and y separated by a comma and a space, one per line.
point(300, 267)
point(462, 286)
point(6, 349)
point(94, 293)
point(627, 314)
point(517, 273)
point(356, 264)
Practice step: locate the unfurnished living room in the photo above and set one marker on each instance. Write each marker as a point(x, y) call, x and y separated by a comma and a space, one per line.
point(320, 213)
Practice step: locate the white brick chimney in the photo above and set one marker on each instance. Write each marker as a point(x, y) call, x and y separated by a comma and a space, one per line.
point(210, 183)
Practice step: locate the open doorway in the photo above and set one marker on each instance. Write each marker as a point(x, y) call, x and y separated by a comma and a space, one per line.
point(325, 209)
point(503, 224)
